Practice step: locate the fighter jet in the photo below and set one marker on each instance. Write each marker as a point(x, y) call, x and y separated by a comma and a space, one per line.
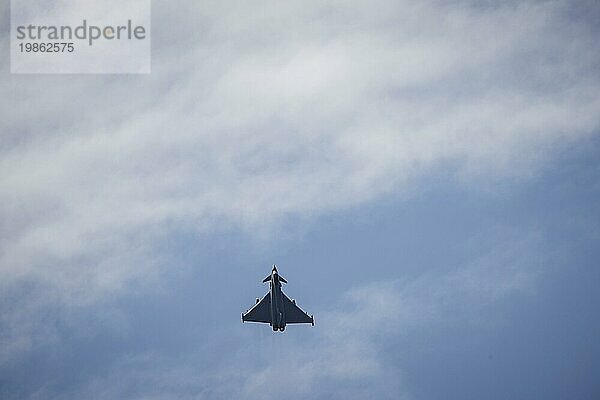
point(275, 308)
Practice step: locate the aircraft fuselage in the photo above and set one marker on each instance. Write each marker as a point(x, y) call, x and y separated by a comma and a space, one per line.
point(277, 310)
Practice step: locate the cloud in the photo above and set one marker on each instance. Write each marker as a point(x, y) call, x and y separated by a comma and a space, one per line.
point(347, 354)
point(253, 114)
point(348, 357)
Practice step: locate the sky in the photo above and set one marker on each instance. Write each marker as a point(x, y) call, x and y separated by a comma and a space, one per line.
point(425, 175)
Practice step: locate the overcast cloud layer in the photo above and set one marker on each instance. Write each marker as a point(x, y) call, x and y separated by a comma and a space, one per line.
point(255, 115)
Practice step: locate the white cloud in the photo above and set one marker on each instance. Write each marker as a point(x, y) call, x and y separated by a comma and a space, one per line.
point(347, 354)
point(254, 113)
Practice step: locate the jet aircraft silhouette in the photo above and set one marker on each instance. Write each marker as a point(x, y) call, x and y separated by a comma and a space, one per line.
point(275, 308)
